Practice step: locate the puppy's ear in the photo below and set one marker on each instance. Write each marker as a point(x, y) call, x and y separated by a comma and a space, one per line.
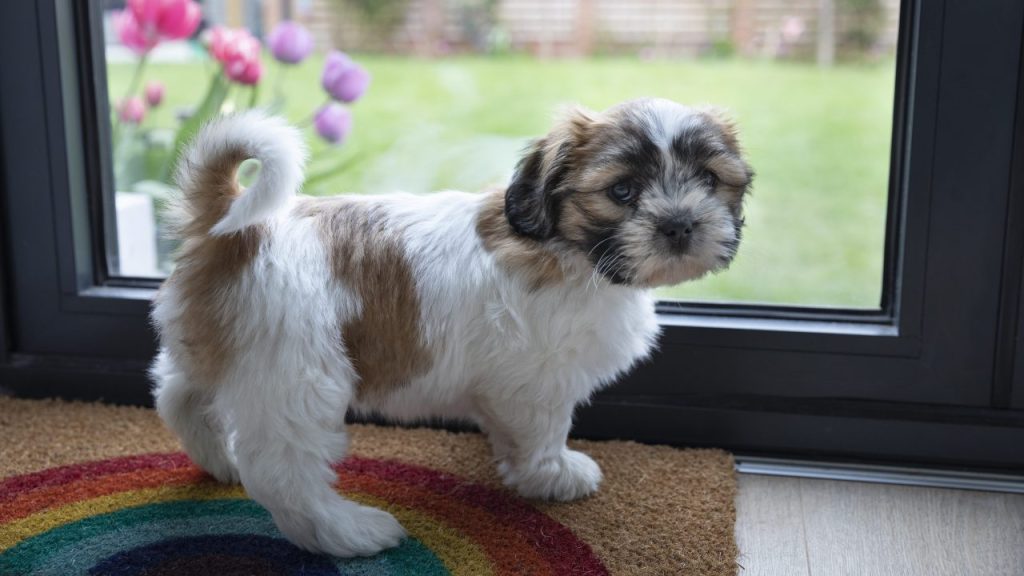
point(532, 198)
point(722, 119)
point(529, 210)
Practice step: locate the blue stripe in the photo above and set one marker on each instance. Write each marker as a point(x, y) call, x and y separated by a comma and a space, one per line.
point(274, 553)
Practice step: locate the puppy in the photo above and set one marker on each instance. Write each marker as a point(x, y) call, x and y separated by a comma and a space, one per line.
point(506, 308)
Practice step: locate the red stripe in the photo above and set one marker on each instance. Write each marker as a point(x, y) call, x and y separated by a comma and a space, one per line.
point(46, 497)
point(12, 487)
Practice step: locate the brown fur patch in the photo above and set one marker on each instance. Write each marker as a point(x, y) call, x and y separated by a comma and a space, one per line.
point(574, 165)
point(521, 256)
point(599, 175)
point(725, 124)
point(586, 211)
point(207, 266)
point(385, 343)
point(731, 170)
point(207, 199)
point(596, 166)
point(532, 196)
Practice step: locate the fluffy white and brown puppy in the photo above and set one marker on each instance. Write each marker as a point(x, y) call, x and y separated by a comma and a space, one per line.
point(507, 308)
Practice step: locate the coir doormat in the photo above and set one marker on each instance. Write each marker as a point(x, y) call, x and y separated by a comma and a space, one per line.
point(100, 490)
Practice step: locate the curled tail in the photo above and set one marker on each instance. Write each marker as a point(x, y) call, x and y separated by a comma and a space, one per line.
point(213, 202)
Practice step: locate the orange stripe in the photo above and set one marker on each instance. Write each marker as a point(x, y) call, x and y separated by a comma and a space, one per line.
point(42, 521)
point(92, 487)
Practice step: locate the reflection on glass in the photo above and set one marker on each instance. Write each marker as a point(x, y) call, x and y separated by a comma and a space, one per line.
point(436, 94)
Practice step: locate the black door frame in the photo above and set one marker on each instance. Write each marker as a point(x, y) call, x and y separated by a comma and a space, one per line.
point(931, 377)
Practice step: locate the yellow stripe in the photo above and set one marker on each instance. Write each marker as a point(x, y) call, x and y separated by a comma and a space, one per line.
point(458, 553)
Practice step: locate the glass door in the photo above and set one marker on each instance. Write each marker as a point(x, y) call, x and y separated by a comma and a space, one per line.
point(872, 311)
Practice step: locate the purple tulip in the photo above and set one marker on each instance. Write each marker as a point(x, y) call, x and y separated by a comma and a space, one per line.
point(290, 43)
point(343, 79)
point(333, 122)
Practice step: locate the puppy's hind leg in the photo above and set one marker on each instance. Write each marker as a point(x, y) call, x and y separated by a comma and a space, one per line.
point(187, 409)
point(289, 431)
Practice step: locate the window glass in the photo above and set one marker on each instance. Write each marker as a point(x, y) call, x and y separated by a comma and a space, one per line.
point(440, 94)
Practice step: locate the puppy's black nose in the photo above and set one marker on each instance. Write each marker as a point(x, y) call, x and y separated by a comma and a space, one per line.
point(678, 231)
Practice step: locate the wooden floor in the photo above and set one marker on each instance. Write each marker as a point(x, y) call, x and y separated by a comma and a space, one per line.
point(807, 527)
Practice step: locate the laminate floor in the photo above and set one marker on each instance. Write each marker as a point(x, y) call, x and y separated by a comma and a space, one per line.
point(810, 527)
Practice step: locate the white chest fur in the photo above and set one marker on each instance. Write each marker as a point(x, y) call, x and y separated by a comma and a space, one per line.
point(491, 335)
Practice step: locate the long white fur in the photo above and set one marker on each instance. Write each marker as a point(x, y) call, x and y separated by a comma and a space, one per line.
point(514, 360)
point(277, 145)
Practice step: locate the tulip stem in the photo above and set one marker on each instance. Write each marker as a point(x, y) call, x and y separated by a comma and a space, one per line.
point(254, 96)
point(308, 121)
point(133, 85)
point(317, 176)
point(279, 84)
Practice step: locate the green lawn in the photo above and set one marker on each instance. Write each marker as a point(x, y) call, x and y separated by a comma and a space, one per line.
point(818, 140)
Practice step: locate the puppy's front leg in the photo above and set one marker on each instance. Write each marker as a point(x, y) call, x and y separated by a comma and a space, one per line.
point(529, 439)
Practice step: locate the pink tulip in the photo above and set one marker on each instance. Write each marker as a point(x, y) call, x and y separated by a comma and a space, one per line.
point(216, 39)
point(144, 23)
point(333, 122)
point(179, 19)
point(246, 72)
point(154, 94)
point(290, 43)
point(132, 35)
point(131, 110)
point(239, 53)
point(343, 79)
point(146, 12)
point(171, 19)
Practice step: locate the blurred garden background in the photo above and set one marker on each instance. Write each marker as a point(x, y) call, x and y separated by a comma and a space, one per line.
point(457, 87)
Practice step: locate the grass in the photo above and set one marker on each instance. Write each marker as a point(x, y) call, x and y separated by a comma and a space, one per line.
point(819, 140)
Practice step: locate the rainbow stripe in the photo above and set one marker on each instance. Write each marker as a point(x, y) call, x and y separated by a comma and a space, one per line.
point(159, 514)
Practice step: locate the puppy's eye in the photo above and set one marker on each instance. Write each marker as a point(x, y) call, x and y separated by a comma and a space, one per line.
point(709, 178)
point(622, 192)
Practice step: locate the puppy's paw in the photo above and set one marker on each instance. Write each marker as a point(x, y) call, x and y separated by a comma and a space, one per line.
point(224, 472)
point(217, 463)
point(342, 528)
point(361, 531)
point(570, 476)
point(504, 467)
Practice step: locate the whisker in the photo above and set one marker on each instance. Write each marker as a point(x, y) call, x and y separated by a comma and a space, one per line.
point(598, 244)
point(612, 264)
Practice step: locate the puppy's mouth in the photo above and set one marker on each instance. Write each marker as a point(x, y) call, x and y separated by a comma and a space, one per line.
point(657, 263)
point(670, 269)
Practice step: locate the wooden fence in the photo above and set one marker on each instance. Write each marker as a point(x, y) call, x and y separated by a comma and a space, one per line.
point(688, 28)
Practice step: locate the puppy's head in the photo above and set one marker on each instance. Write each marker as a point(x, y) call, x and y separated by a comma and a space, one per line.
point(650, 192)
